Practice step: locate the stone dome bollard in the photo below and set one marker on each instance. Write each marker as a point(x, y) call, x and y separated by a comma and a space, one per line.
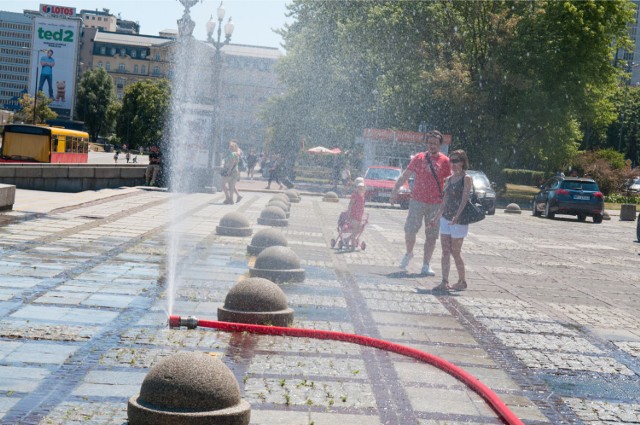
point(264, 239)
point(234, 224)
point(513, 209)
point(278, 264)
point(281, 196)
point(191, 388)
point(294, 196)
point(273, 216)
point(278, 203)
point(256, 301)
point(330, 197)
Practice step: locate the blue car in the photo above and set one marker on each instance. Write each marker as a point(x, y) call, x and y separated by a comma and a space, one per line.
point(571, 196)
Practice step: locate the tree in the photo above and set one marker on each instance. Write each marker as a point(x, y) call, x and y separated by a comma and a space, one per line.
point(96, 98)
point(145, 109)
point(43, 112)
point(512, 81)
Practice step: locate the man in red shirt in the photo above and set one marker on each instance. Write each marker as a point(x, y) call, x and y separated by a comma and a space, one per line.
point(430, 168)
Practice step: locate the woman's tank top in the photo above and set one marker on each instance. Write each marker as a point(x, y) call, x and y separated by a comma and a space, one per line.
point(453, 196)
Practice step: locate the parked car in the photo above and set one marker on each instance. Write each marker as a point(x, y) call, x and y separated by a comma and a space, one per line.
point(633, 186)
point(483, 192)
point(569, 195)
point(380, 181)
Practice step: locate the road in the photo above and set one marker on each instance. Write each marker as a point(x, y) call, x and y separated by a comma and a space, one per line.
point(549, 321)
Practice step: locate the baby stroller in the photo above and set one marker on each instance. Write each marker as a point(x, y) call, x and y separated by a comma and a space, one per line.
point(345, 233)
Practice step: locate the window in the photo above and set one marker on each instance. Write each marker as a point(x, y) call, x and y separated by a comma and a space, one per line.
point(113, 51)
point(156, 70)
point(135, 69)
point(134, 54)
point(144, 69)
point(100, 65)
point(121, 67)
point(107, 66)
point(103, 50)
point(157, 56)
point(123, 51)
point(120, 83)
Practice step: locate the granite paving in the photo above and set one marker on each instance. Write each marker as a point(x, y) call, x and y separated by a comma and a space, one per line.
point(549, 321)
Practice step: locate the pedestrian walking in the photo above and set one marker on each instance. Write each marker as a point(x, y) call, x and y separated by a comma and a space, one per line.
point(230, 173)
point(456, 195)
point(153, 169)
point(252, 161)
point(430, 168)
point(275, 170)
point(127, 156)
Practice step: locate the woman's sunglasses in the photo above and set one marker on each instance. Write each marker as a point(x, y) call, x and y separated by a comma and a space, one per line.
point(455, 160)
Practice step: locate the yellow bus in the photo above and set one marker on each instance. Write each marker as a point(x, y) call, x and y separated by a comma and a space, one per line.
point(42, 144)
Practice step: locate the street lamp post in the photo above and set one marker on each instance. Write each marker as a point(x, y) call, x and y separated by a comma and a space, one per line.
point(217, 44)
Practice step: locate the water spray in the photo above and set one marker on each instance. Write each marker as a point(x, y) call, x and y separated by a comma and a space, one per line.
point(465, 377)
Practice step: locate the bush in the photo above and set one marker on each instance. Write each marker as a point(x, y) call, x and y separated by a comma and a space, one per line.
point(606, 167)
point(622, 199)
point(524, 177)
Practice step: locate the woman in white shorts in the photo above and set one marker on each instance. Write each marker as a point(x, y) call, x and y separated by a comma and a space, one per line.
point(456, 193)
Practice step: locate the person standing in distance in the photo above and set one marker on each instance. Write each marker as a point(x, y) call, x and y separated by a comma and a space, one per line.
point(46, 73)
point(430, 169)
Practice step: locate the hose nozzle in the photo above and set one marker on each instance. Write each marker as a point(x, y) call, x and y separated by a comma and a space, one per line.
point(190, 322)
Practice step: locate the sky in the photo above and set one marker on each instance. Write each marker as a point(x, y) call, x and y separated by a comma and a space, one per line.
point(253, 19)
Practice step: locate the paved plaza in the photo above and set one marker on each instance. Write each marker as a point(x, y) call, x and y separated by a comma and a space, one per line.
point(549, 321)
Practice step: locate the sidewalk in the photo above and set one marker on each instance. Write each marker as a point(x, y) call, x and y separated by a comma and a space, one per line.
point(84, 302)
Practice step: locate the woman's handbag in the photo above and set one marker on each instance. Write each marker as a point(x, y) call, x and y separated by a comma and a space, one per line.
point(470, 214)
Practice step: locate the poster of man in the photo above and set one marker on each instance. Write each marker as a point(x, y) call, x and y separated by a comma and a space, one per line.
point(55, 44)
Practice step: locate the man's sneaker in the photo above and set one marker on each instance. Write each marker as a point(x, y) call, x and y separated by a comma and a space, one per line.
point(405, 260)
point(426, 270)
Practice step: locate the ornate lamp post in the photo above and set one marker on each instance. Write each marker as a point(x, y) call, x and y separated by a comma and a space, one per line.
point(217, 44)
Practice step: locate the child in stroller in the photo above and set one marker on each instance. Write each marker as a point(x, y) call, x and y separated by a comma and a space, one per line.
point(352, 222)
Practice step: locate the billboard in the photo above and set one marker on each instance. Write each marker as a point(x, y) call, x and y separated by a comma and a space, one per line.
point(54, 61)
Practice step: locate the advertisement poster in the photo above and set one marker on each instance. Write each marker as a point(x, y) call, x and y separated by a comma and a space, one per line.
point(53, 68)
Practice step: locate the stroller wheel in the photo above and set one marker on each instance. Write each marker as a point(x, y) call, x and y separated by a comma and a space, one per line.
point(333, 243)
point(363, 245)
point(340, 245)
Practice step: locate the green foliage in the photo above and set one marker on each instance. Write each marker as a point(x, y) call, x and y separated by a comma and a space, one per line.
point(603, 167)
point(145, 110)
point(516, 83)
point(617, 198)
point(524, 177)
point(96, 102)
point(43, 112)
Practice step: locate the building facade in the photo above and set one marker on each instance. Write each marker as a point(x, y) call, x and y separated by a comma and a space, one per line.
point(16, 33)
point(247, 73)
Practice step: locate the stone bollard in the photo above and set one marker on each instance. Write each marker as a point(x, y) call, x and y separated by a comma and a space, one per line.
point(279, 204)
point(627, 212)
point(330, 197)
point(294, 196)
point(189, 389)
point(282, 197)
point(638, 229)
point(278, 264)
point(264, 239)
point(234, 224)
point(256, 301)
point(273, 216)
point(513, 208)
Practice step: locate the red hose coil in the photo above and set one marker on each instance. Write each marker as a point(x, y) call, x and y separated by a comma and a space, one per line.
point(465, 377)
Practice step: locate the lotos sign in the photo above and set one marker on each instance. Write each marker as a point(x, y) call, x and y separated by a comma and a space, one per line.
point(53, 10)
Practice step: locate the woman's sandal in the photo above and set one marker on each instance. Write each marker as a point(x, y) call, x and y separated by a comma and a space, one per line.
point(443, 287)
point(460, 286)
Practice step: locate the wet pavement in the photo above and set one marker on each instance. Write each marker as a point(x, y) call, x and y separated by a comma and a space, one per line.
point(549, 321)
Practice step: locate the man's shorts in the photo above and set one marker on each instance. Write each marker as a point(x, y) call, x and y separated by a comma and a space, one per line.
point(457, 231)
point(420, 212)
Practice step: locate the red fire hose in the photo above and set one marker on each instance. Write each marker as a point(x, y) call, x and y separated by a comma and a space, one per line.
point(465, 377)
